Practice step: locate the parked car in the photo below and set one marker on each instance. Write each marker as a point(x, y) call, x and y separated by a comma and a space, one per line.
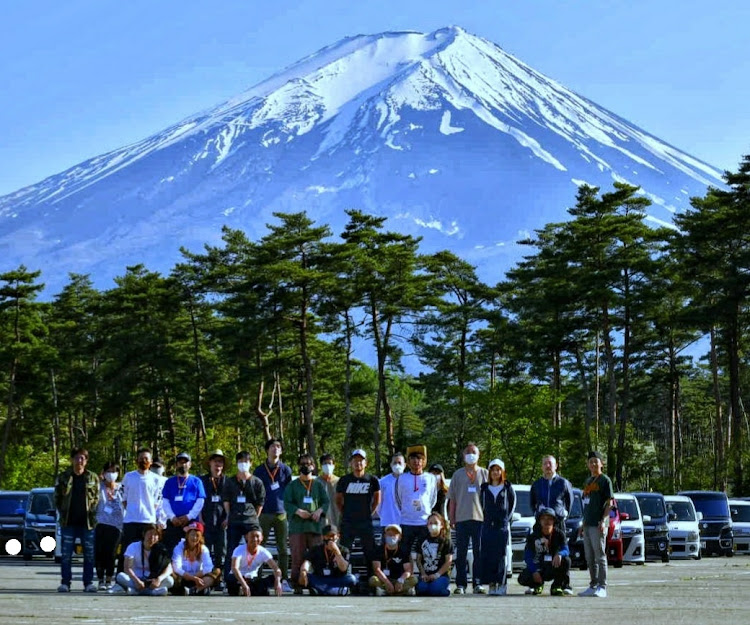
point(716, 524)
point(684, 532)
point(740, 511)
point(12, 513)
point(655, 527)
point(614, 537)
point(40, 522)
point(522, 525)
point(631, 527)
point(572, 525)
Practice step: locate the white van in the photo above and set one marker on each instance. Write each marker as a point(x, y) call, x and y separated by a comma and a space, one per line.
point(740, 511)
point(684, 533)
point(522, 524)
point(631, 527)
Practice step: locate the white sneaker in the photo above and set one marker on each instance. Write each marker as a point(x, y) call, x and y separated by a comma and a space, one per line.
point(91, 588)
point(589, 592)
point(600, 592)
point(63, 588)
point(502, 591)
point(158, 592)
point(285, 587)
point(568, 591)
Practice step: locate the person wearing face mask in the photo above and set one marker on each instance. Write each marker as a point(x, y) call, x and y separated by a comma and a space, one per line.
point(329, 479)
point(183, 497)
point(305, 502)
point(158, 468)
point(243, 498)
point(441, 504)
point(416, 494)
point(434, 559)
point(108, 531)
point(213, 514)
point(325, 567)
point(498, 503)
point(389, 511)
point(141, 499)
point(465, 512)
point(391, 565)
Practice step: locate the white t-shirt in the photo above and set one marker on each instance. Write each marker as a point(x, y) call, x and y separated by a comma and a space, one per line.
point(140, 559)
point(181, 565)
point(249, 564)
point(142, 493)
point(389, 511)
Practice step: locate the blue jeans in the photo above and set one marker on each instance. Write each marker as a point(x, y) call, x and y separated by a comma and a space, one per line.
point(436, 588)
point(331, 585)
point(465, 531)
point(68, 536)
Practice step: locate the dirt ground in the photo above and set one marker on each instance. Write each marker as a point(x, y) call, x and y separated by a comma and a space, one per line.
point(709, 591)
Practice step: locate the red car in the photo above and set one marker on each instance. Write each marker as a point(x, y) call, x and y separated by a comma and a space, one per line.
point(614, 537)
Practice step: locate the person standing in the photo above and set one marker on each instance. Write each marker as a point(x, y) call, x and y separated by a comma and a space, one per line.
point(416, 495)
point(242, 498)
point(465, 512)
point(498, 503)
point(108, 531)
point(546, 555)
point(275, 476)
point(389, 511)
point(141, 499)
point(597, 501)
point(330, 480)
point(441, 504)
point(357, 498)
point(305, 502)
point(554, 492)
point(76, 500)
point(183, 497)
point(157, 467)
point(213, 514)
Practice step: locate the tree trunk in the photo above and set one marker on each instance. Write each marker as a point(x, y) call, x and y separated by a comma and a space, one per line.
point(307, 365)
point(720, 479)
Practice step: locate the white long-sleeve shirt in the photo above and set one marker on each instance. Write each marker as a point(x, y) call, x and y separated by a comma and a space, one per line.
point(416, 496)
point(181, 565)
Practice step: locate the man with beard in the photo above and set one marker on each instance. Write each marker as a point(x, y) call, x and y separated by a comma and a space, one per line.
point(182, 499)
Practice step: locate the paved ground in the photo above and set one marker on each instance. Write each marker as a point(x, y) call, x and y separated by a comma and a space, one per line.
point(711, 591)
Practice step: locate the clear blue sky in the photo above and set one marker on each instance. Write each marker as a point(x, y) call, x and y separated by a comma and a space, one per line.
point(81, 77)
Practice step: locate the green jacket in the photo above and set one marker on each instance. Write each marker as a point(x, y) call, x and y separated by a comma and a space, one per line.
point(294, 496)
point(63, 492)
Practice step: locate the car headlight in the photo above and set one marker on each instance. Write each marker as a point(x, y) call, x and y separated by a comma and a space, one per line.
point(616, 534)
point(662, 528)
point(693, 535)
point(637, 530)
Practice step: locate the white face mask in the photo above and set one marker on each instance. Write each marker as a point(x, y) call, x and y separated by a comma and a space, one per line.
point(471, 458)
point(434, 529)
point(327, 469)
point(398, 469)
point(158, 470)
point(110, 477)
point(243, 467)
point(391, 541)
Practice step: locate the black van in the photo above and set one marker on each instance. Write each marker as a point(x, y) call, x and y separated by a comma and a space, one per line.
point(716, 524)
point(655, 524)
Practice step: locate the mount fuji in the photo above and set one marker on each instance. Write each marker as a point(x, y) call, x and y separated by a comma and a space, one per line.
point(444, 133)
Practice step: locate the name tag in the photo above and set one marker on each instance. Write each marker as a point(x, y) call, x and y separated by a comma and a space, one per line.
point(108, 509)
point(215, 499)
point(179, 497)
point(326, 571)
point(472, 489)
point(416, 504)
point(307, 500)
point(387, 572)
point(275, 486)
point(241, 499)
point(585, 501)
point(548, 558)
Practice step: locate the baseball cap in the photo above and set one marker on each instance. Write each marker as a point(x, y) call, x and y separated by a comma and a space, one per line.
point(497, 463)
point(358, 452)
point(194, 525)
point(183, 455)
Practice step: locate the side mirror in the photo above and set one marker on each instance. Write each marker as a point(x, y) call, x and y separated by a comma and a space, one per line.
point(699, 515)
point(624, 516)
point(516, 517)
point(646, 518)
point(672, 516)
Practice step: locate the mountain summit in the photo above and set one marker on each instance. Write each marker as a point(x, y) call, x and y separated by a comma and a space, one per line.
point(445, 133)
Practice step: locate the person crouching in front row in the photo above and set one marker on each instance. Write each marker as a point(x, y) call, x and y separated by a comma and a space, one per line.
point(325, 567)
point(434, 559)
point(391, 565)
point(247, 560)
point(546, 556)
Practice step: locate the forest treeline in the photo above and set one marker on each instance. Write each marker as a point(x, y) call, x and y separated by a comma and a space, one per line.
point(609, 333)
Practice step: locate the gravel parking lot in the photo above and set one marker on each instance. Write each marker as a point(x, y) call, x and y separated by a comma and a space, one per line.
point(710, 591)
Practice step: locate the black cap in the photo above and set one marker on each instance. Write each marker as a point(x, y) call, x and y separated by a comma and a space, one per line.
point(157, 462)
point(594, 454)
point(546, 512)
point(437, 467)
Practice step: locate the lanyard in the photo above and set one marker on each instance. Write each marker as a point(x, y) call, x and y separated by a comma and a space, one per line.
point(472, 475)
point(329, 561)
point(416, 485)
point(308, 488)
point(215, 484)
point(184, 481)
point(272, 475)
point(250, 561)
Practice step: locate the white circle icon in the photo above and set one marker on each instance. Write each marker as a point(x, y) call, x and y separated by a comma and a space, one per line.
point(13, 546)
point(47, 544)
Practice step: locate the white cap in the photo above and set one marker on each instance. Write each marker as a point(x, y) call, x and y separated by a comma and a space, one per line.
point(497, 463)
point(358, 452)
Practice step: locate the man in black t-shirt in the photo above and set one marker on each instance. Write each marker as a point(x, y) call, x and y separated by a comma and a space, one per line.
point(325, 567)
point(213, 513)
point(391, 565)
point(357, 497)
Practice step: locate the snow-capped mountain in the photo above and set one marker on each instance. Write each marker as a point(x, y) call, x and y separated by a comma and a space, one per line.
point(445, 133)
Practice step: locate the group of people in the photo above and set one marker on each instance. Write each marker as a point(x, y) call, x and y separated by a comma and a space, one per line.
point(184, 534)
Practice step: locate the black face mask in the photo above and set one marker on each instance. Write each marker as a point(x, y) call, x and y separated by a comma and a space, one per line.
point(305, 470)
point(182, 469)
point(143, 465)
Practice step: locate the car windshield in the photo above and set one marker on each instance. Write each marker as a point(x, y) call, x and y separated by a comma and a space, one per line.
point(523, 505)
point(711, 507)
point(682, 509)
point(41, 503)
point(652, 506)
point(9, 505)
point(576, 510)
point(629, 507)
point(740, 514)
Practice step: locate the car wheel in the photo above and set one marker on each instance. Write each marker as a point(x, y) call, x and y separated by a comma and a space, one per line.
point(665, 557)
point(729, 553)
point(618, 565)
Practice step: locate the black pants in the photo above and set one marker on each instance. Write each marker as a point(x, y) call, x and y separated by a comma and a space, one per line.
point(131, 533)
point(172, 536)
point(413, 536)
point(258, 585)
point(106, 540)
point(558, 576)
point(215, 539)
point(362, 530)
